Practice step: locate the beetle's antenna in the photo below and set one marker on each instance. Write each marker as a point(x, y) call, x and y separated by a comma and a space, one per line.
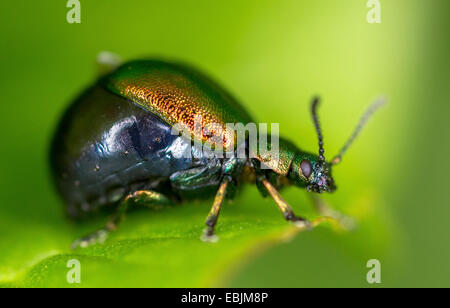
point(314, 105)
point(362, 122)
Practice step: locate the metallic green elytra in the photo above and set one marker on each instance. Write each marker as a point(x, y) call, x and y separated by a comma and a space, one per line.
point(116, 146)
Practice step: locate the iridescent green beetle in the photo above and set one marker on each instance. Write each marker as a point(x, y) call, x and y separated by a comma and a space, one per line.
point(115, 146)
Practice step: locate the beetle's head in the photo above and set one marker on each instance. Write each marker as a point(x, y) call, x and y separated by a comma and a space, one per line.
point(310, 172)
point(313, 171)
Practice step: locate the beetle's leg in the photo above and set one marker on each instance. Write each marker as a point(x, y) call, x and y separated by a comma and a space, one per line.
point(285, 208)
point(324, 209)
point(145, 197)
point(213, 216)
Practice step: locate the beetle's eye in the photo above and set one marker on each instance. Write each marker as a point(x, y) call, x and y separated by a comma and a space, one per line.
point(305, 165)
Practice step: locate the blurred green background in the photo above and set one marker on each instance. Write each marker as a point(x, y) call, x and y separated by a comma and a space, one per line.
point(274, 56)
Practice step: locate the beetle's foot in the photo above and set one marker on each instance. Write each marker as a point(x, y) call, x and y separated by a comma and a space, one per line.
point(209, 236)
point(98, 237)
point(343, 221)
point(301, 223)
point(346, 222)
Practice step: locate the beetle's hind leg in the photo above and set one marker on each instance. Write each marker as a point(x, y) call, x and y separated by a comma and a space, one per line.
point(107, 62)
point(213, 216)
point(145, 197)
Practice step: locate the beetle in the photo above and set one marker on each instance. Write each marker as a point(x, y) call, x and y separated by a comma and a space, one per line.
point(115, 147)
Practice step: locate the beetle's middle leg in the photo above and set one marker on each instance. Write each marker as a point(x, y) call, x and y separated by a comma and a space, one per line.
point(145, 197)
point(213, 216)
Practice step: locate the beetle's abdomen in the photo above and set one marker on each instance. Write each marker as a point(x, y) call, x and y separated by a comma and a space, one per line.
point(106, 147)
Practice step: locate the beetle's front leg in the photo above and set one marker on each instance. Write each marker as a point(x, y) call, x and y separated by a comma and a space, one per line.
point(324, 209)
point(285, 208)
point(145, 197)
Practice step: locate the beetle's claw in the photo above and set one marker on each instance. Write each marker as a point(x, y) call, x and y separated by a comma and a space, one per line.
point(208, 236)
point(98, 237)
